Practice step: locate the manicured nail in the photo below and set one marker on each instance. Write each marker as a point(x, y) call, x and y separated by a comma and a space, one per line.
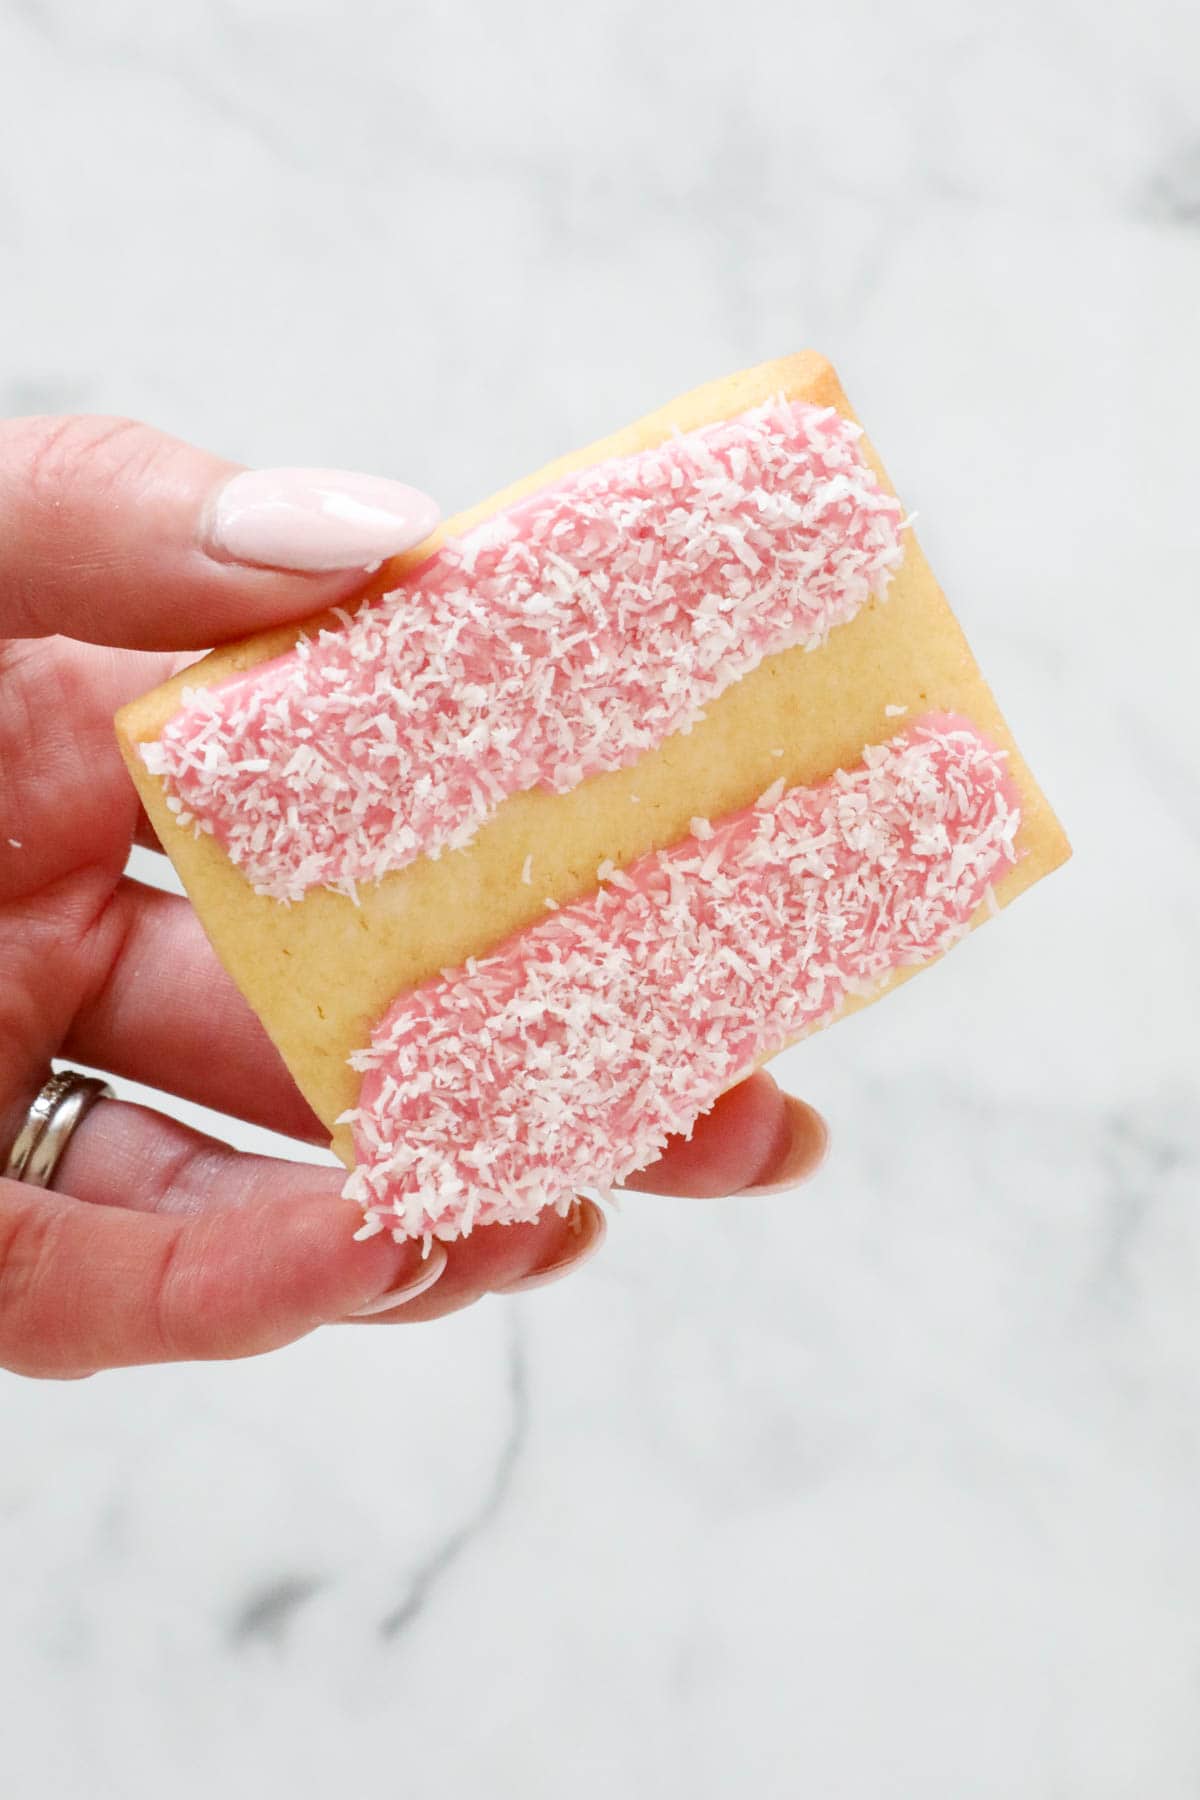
point(592, 1227)
point(805, 1149)
point(431, 1270)
point(316, 520)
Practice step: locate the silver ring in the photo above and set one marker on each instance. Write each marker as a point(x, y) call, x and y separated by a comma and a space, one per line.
point(63, 1102)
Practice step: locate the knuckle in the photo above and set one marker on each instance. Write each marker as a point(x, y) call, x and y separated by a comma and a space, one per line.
point(61, 454)
point(29, 1238)
point(172, 1326)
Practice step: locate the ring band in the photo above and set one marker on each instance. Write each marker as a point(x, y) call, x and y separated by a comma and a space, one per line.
point(63, 1102)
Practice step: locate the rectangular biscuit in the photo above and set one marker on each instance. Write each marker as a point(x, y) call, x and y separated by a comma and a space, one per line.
point(323, 971)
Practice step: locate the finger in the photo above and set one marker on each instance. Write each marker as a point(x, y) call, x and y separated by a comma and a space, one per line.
point(130, 1158)
point(505, 1260)
point(216, 1255)
point(755, 1140)
point(144, 834)
point(117, 534)
point(86, 1287)
point(163, 1011)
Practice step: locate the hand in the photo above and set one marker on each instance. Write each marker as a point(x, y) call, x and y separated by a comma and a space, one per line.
point(162, 1244)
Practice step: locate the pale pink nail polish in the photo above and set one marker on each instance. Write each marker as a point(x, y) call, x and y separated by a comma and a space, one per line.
point(316, 520)
point(431, 1270)
point(593, 1226)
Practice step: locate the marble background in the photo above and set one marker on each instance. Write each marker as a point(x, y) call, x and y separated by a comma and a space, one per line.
point(889, 1488)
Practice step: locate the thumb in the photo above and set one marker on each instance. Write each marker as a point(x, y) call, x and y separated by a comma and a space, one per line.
point(117, 534)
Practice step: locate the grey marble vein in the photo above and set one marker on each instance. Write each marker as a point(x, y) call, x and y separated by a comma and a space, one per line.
point(424, 1580)
point(1172, 195)
point(1144, 1151)
point(266, 1616)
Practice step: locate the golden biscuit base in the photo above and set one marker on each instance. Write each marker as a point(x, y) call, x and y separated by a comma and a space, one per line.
point(321, 972)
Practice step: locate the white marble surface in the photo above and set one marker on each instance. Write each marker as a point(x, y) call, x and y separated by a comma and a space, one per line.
point(887, 1489)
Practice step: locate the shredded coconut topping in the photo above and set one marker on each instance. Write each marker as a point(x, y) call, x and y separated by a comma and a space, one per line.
point(566, 1057)
point(561, 638)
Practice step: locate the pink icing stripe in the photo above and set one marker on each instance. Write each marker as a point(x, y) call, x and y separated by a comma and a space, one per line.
point(564, 637)
point(565, 1058)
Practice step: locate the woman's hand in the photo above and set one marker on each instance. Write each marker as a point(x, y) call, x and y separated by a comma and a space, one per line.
point(119, 549)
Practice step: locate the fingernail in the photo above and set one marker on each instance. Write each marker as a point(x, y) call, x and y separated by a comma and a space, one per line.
point(316, 520)
point(804, 1150)
point(592, 1227)
point(431, 1270)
